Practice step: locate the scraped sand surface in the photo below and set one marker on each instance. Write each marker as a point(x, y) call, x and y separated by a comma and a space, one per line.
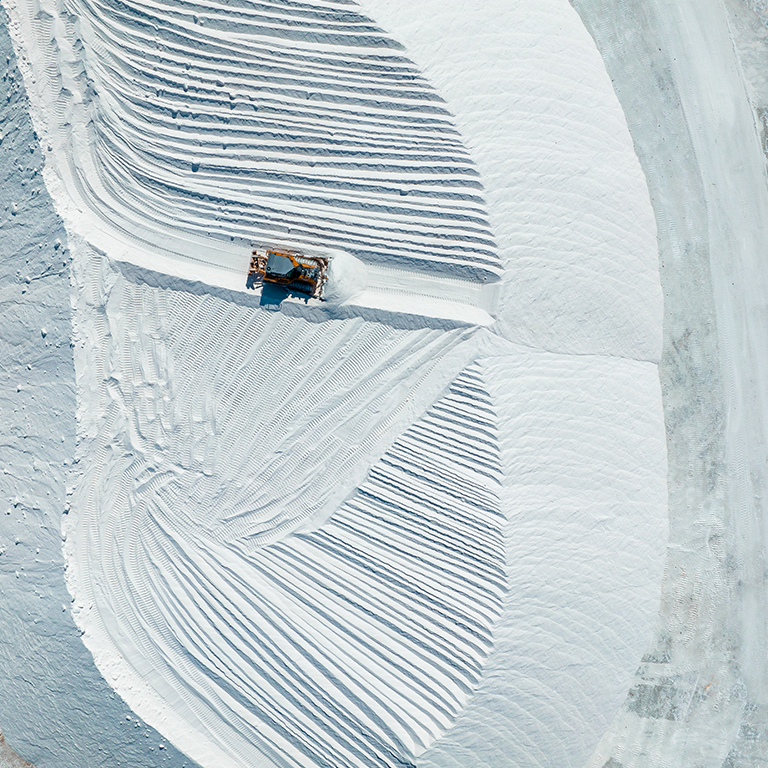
point(424, 526)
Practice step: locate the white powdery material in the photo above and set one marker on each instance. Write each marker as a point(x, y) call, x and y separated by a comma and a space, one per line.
point(310, 541)
point(183, 136)
point(566, 197)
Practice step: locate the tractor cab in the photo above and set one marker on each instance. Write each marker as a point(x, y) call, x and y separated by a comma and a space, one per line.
point(294, 271)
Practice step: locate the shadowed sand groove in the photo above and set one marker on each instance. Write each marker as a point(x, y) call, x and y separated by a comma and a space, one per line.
point(353, 645)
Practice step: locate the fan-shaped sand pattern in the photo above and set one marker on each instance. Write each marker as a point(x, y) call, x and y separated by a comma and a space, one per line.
point(354, 645)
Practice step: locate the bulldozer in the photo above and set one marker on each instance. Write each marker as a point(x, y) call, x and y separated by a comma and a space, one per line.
point(293, 271)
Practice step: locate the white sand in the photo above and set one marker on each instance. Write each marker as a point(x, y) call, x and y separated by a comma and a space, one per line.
point(228, 454)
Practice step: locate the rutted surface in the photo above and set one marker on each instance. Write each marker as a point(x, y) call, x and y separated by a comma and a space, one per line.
point(568, 638)
point(356, 645)
point(567, 200)
point(55, 707)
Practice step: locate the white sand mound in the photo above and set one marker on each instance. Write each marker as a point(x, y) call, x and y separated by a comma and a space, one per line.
point(347, 278)
point(296, 541)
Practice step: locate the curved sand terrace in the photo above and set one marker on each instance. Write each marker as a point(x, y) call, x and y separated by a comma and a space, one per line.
point(206, 128)
point(235, 571)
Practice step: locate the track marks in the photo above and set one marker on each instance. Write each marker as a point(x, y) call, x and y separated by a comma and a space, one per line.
point(348, 641)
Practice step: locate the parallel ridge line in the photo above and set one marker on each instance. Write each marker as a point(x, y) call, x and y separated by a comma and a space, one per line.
point(268, 121)
point(354, 645)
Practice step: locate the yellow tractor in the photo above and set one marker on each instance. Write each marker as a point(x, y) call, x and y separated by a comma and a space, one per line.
point(293, 271)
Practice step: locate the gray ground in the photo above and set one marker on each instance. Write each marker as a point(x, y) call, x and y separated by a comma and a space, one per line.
point(50, 691)
point(698, 696)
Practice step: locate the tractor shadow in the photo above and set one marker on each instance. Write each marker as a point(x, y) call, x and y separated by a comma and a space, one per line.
point(273, 295)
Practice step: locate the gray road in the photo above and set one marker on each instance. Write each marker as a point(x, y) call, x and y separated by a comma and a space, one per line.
point(700, 692)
